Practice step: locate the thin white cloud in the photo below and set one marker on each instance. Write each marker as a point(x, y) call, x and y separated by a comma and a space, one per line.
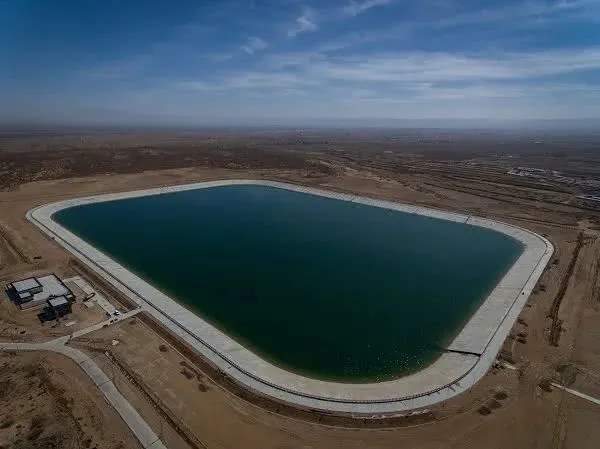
point(443, 67)
point(249, 81)
point(531, 10)
point(354, 8)
point(253, 45)
point(306, 22)
point(532, 13)
point(422, 73)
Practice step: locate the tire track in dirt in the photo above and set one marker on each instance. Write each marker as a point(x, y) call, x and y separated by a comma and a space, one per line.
point(564, 284)
point(8, 242)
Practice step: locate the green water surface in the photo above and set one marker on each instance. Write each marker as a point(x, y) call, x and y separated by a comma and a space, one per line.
point(322, 287)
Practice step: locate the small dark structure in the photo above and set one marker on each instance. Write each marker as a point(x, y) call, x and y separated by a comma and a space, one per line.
point(55, 308)
point(60, 306)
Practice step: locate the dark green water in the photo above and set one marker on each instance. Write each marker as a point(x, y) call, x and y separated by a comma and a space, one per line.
point(322, 287)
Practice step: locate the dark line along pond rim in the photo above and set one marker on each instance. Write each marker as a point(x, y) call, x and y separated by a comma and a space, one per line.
point(315, 285)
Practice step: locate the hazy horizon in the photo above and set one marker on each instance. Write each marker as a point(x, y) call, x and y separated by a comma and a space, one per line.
point(516, 125)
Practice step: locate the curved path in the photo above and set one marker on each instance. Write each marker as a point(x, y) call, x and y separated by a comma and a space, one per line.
point(142, 431)
point(466, 360)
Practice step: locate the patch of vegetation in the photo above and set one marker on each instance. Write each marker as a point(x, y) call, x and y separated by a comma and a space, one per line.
point(188, 374)
point(5, 388)
point(483, 410)
point(7, 423)
point(568, 373)
point(501, 395)
point(545, 385)
point(494, 404)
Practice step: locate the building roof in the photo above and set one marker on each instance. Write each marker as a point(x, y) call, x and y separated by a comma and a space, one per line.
point(52, 286)
point(26, 284)
point(58, 301)
point(36, 290)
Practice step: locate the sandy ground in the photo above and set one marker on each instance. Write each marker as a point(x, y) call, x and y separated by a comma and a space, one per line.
point(24, 325)
point(506, 409)
point(45, 402)
point(220, 419)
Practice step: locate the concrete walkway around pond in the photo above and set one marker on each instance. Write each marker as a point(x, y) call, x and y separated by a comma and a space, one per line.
point(145, 435)
point(468, 358)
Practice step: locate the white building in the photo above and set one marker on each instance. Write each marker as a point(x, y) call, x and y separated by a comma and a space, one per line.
point(35, 291)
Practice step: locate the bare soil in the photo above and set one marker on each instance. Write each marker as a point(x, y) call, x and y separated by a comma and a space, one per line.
point(46, 402)
point(556, 337)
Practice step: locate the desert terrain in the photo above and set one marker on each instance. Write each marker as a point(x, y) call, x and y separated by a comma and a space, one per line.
point(537, 181)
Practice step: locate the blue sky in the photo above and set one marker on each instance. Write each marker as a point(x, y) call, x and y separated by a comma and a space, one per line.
point(289, 61)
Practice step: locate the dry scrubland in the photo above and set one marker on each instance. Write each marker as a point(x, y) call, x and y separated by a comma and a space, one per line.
point(46, 403)
point(46, 400)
